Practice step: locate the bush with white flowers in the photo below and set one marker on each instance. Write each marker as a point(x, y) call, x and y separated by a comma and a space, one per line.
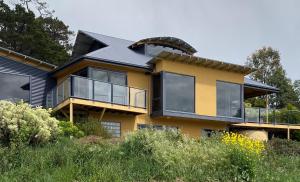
point(20, 124)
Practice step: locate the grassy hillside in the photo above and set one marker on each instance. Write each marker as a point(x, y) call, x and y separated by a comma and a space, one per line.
point(149, 156)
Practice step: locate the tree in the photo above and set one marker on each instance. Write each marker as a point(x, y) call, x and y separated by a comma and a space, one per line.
point(44, 38)
point(270, 71)
point(40, 5)
point(297, 87)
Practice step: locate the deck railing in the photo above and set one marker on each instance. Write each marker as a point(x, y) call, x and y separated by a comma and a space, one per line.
point(272, 116)
point(86, 88)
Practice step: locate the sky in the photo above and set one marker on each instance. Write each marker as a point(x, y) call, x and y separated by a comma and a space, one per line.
point(226, 30)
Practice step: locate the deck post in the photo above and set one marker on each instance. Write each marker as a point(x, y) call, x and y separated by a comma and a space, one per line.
point(102, 114)
point(267, 109)
point(288, 133)
point(71, 112)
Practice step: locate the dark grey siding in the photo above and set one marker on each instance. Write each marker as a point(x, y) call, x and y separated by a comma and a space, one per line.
point(39, 81)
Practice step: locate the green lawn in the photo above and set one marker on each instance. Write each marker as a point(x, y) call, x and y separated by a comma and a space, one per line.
point(146, 156)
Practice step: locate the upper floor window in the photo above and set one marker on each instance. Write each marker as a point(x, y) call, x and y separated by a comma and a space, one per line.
point(179, 92)
point(229, 99)
point(118, 78)
point(14, 87)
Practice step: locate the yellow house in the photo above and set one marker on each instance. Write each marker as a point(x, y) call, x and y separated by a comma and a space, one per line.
point(156, 82)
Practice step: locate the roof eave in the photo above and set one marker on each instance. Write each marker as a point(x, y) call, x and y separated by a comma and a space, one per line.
point(273, 90)
point(209, 63)
point(81, 58)
point(51, 66)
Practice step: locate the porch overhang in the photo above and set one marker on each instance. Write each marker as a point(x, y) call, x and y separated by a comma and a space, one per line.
point(254, 88)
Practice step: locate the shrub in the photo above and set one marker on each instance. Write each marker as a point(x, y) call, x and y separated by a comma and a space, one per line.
point(20, 124)
point(244, 143)
point(93, 127)
point(243, 154)
point(284, 147)
point(68, 129)
point(187, 159)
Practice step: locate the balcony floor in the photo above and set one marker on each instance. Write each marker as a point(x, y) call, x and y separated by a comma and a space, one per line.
point(98, 104)
point(268, 126)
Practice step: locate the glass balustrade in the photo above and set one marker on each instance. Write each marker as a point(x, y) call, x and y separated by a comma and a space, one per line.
point(85, 88)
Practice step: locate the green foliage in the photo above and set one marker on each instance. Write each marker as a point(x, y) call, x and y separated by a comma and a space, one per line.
point(270, 71)
point(93, 127)
point(284, 147)
point(289, 114)
point(45, 38)
point(189, 159)
point(173, 157)
point(243, 164)
point(20, 124)
point(69, 130)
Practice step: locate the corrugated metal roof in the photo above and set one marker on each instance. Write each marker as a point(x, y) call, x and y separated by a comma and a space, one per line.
point(253, 83)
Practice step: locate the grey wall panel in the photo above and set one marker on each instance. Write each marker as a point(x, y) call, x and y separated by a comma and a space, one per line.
point(39, 78)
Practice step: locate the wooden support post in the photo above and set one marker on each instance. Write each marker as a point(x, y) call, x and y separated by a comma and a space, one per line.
point(288, 133)
point(71, 113)
point(102, 114)
point(267, 109)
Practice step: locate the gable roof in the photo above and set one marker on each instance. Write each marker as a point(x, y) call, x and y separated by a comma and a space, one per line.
point(113, 50)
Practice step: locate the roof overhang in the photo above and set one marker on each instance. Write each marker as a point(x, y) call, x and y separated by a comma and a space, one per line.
point(254, 88)
point(204, 62)
point(168, 42)
point(27, 59)
point(99, 61)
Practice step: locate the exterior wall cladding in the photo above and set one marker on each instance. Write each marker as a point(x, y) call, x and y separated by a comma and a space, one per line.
point(39, 80)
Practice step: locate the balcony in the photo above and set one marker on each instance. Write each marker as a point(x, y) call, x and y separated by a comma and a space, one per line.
point(272, 116)
point(91, 92)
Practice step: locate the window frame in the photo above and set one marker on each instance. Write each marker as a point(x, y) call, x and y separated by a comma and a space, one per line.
point(108, 121)
point(164, 92)
point(30, 82)
point(241, 98)
point(109, 71)
point(158, 127)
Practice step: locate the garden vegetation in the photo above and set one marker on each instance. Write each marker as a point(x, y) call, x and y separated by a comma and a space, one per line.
point(37, 147)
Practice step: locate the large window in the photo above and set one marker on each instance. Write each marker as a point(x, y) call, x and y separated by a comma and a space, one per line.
point(179, 91)
point(14, 87)
point(229, 100)
point(117, 78)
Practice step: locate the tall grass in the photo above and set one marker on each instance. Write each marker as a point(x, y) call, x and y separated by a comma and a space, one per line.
point(144, 156)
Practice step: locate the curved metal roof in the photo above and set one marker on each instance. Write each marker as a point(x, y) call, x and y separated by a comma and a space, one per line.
point(168, 42)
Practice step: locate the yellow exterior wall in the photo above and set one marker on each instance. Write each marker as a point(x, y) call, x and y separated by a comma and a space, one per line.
point(205, 104)
point(130, 123)
point(206, 78)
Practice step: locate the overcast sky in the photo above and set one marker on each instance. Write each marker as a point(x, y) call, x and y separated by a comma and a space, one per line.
point(227, 30)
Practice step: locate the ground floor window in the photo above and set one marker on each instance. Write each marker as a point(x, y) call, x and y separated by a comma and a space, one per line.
point(114, 128)
point(206, 133)
point(157, 127)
